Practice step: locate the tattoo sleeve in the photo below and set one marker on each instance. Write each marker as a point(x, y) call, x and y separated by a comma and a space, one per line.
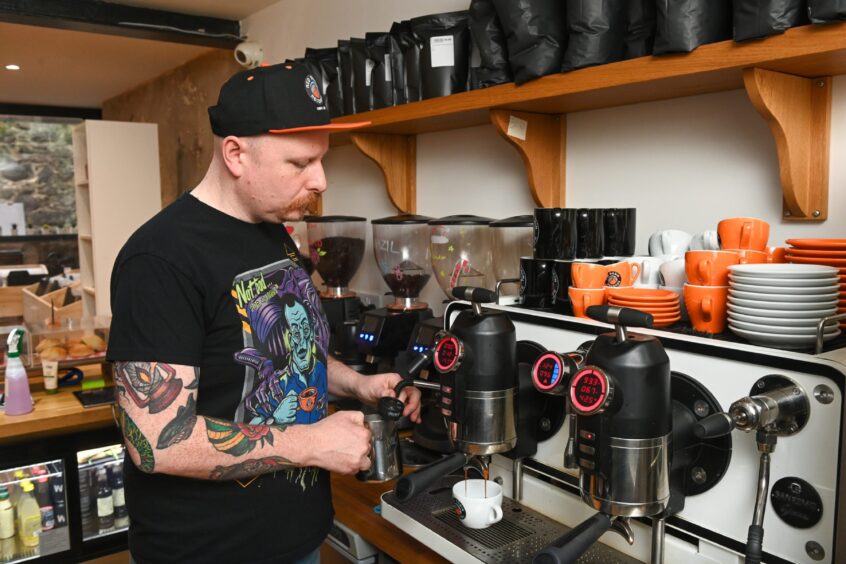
point(251, 467)
point(139, 442)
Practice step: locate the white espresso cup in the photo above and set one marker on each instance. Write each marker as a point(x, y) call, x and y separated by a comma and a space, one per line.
point(705, 241)
point(649, 271)
point(669, 242)
point(478, 505)
point(673, 274)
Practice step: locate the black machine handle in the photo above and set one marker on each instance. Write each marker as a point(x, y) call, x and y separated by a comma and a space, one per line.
point(568, 548)
point(410, 485)
point(713, 426)
point(471, 294)
point(391, 408)
point(620, 316)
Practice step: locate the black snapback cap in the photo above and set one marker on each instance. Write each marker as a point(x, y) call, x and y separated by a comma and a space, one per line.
point(281, 98)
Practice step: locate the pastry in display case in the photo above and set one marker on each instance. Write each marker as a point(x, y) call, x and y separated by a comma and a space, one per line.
point(70, 342)
point(33, 511)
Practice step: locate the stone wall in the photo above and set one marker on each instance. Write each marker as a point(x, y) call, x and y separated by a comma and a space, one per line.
point(36, 169)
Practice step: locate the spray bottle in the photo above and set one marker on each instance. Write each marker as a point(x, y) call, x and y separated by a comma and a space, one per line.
point(18, 398)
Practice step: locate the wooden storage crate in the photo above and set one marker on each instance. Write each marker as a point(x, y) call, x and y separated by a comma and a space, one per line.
point(48, 308)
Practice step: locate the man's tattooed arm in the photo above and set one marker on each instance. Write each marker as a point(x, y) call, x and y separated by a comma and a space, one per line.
point(157, 408)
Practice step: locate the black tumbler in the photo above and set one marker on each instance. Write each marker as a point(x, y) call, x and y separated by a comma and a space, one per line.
point(561, 282)
point(555, 233)
point(619, 227)
point(589, 226)
point(536, 282)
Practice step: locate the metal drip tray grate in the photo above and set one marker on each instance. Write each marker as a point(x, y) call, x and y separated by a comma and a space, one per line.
point(520, 534)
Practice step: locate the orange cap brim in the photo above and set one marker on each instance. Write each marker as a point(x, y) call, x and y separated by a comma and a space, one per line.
point(329, 127)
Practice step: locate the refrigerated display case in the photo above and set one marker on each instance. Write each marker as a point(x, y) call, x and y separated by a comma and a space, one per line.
point(101, 500)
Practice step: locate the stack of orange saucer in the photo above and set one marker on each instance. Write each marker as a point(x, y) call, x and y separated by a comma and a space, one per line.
point(662, 304)
point(827, 252)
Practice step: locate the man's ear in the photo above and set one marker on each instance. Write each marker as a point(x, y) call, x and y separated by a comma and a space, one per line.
point(233, 152)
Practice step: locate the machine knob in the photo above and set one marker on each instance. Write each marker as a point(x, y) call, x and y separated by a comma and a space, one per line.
point(591, 391)
point(551, 373)
point(449, 352)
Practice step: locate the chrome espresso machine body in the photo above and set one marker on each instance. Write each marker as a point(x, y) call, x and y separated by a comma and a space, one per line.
point(752, 449)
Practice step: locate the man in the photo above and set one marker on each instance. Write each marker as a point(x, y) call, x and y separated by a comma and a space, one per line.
point(219, 344)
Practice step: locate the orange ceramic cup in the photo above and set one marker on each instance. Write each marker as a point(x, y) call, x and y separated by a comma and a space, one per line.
point(588, 275)
point(776, 254)
point(709, 268)
point(751, 257)
point(621, 274)
point(706, 307)
point(583, 298)
point(743, 233)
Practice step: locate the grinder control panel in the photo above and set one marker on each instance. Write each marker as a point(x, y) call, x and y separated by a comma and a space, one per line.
point(591, 390)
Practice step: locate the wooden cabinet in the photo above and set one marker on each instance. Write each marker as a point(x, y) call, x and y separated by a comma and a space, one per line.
point(118, 188)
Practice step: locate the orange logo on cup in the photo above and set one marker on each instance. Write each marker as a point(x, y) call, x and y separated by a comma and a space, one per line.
point(622, 274)
point(588, 275)
point(709, 268)
point(743, 233)
point(583, 298)
point(706, 307)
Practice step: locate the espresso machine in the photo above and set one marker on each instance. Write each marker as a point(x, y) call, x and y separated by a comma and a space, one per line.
point(402, 255)
point(336, 248)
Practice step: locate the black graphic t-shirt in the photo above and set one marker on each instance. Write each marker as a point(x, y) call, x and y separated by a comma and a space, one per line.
point(197, 287)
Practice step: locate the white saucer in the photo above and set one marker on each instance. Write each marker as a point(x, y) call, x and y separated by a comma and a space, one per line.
point(776, 321)
point(789, 298)
point(782, 341)
point(784, 270)
point(761, 304)
point(789, 282)
point(800, 291)
point(802, 313)
point(780, 330)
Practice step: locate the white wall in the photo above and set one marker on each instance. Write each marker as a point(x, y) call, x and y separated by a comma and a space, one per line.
point(684, 163)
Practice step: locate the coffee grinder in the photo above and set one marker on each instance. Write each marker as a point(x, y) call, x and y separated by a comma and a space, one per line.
point(511, 238)
point(461, 252)
point(634, 439)
point(402, 254)
point(336, 247)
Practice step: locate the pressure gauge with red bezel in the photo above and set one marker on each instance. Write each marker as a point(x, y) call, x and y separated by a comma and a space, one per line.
point(551, 373)
point(449, 352)
point(591, 391)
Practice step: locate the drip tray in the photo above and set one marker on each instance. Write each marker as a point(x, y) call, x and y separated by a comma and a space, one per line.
point(522, 532)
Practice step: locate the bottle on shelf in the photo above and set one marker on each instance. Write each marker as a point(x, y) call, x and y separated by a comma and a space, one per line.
point(88, 513)
point(29, 516)
point(18, 397)
point(121, 513)
point(57, 494)
point(45, 503)
point(105, 503)
point(7, 515)
point(15, 487)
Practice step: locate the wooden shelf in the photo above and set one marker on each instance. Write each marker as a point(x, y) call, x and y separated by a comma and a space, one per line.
point(810, 51)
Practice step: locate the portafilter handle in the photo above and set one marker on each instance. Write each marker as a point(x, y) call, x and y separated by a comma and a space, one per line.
point(392, 408)
point(412, 484)
point(569, 547)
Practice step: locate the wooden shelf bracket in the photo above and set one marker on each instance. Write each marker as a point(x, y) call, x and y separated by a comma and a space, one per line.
point(541, 140)
point(798, 111)
point(396, 155)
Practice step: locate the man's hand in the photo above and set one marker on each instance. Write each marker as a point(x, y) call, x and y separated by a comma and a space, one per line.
point(371, 388)
point(339, 443)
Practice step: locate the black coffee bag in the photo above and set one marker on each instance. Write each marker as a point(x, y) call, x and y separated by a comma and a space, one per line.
point(361, 67)
point(382, 49)
point(640, 28)
point(323, 65)
point(597, 30)
point(410, 48)
point(754, 19)
point(822, 11)
point(536, 35)
point(445, 54)
point(345, 68)
point(489, 42)
point(684, 25)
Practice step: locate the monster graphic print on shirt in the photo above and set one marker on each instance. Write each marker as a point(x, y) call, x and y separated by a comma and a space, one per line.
point(286, 337)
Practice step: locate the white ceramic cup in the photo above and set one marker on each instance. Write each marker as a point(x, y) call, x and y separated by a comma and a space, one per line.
point(672, 273)
point(705, 241)
point(474, 509)
point(649, 271)
point(669, 242)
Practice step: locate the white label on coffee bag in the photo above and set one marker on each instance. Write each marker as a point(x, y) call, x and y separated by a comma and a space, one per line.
point(443, 52)
point(388, 75)
point(517, 127)
point(368, 68)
